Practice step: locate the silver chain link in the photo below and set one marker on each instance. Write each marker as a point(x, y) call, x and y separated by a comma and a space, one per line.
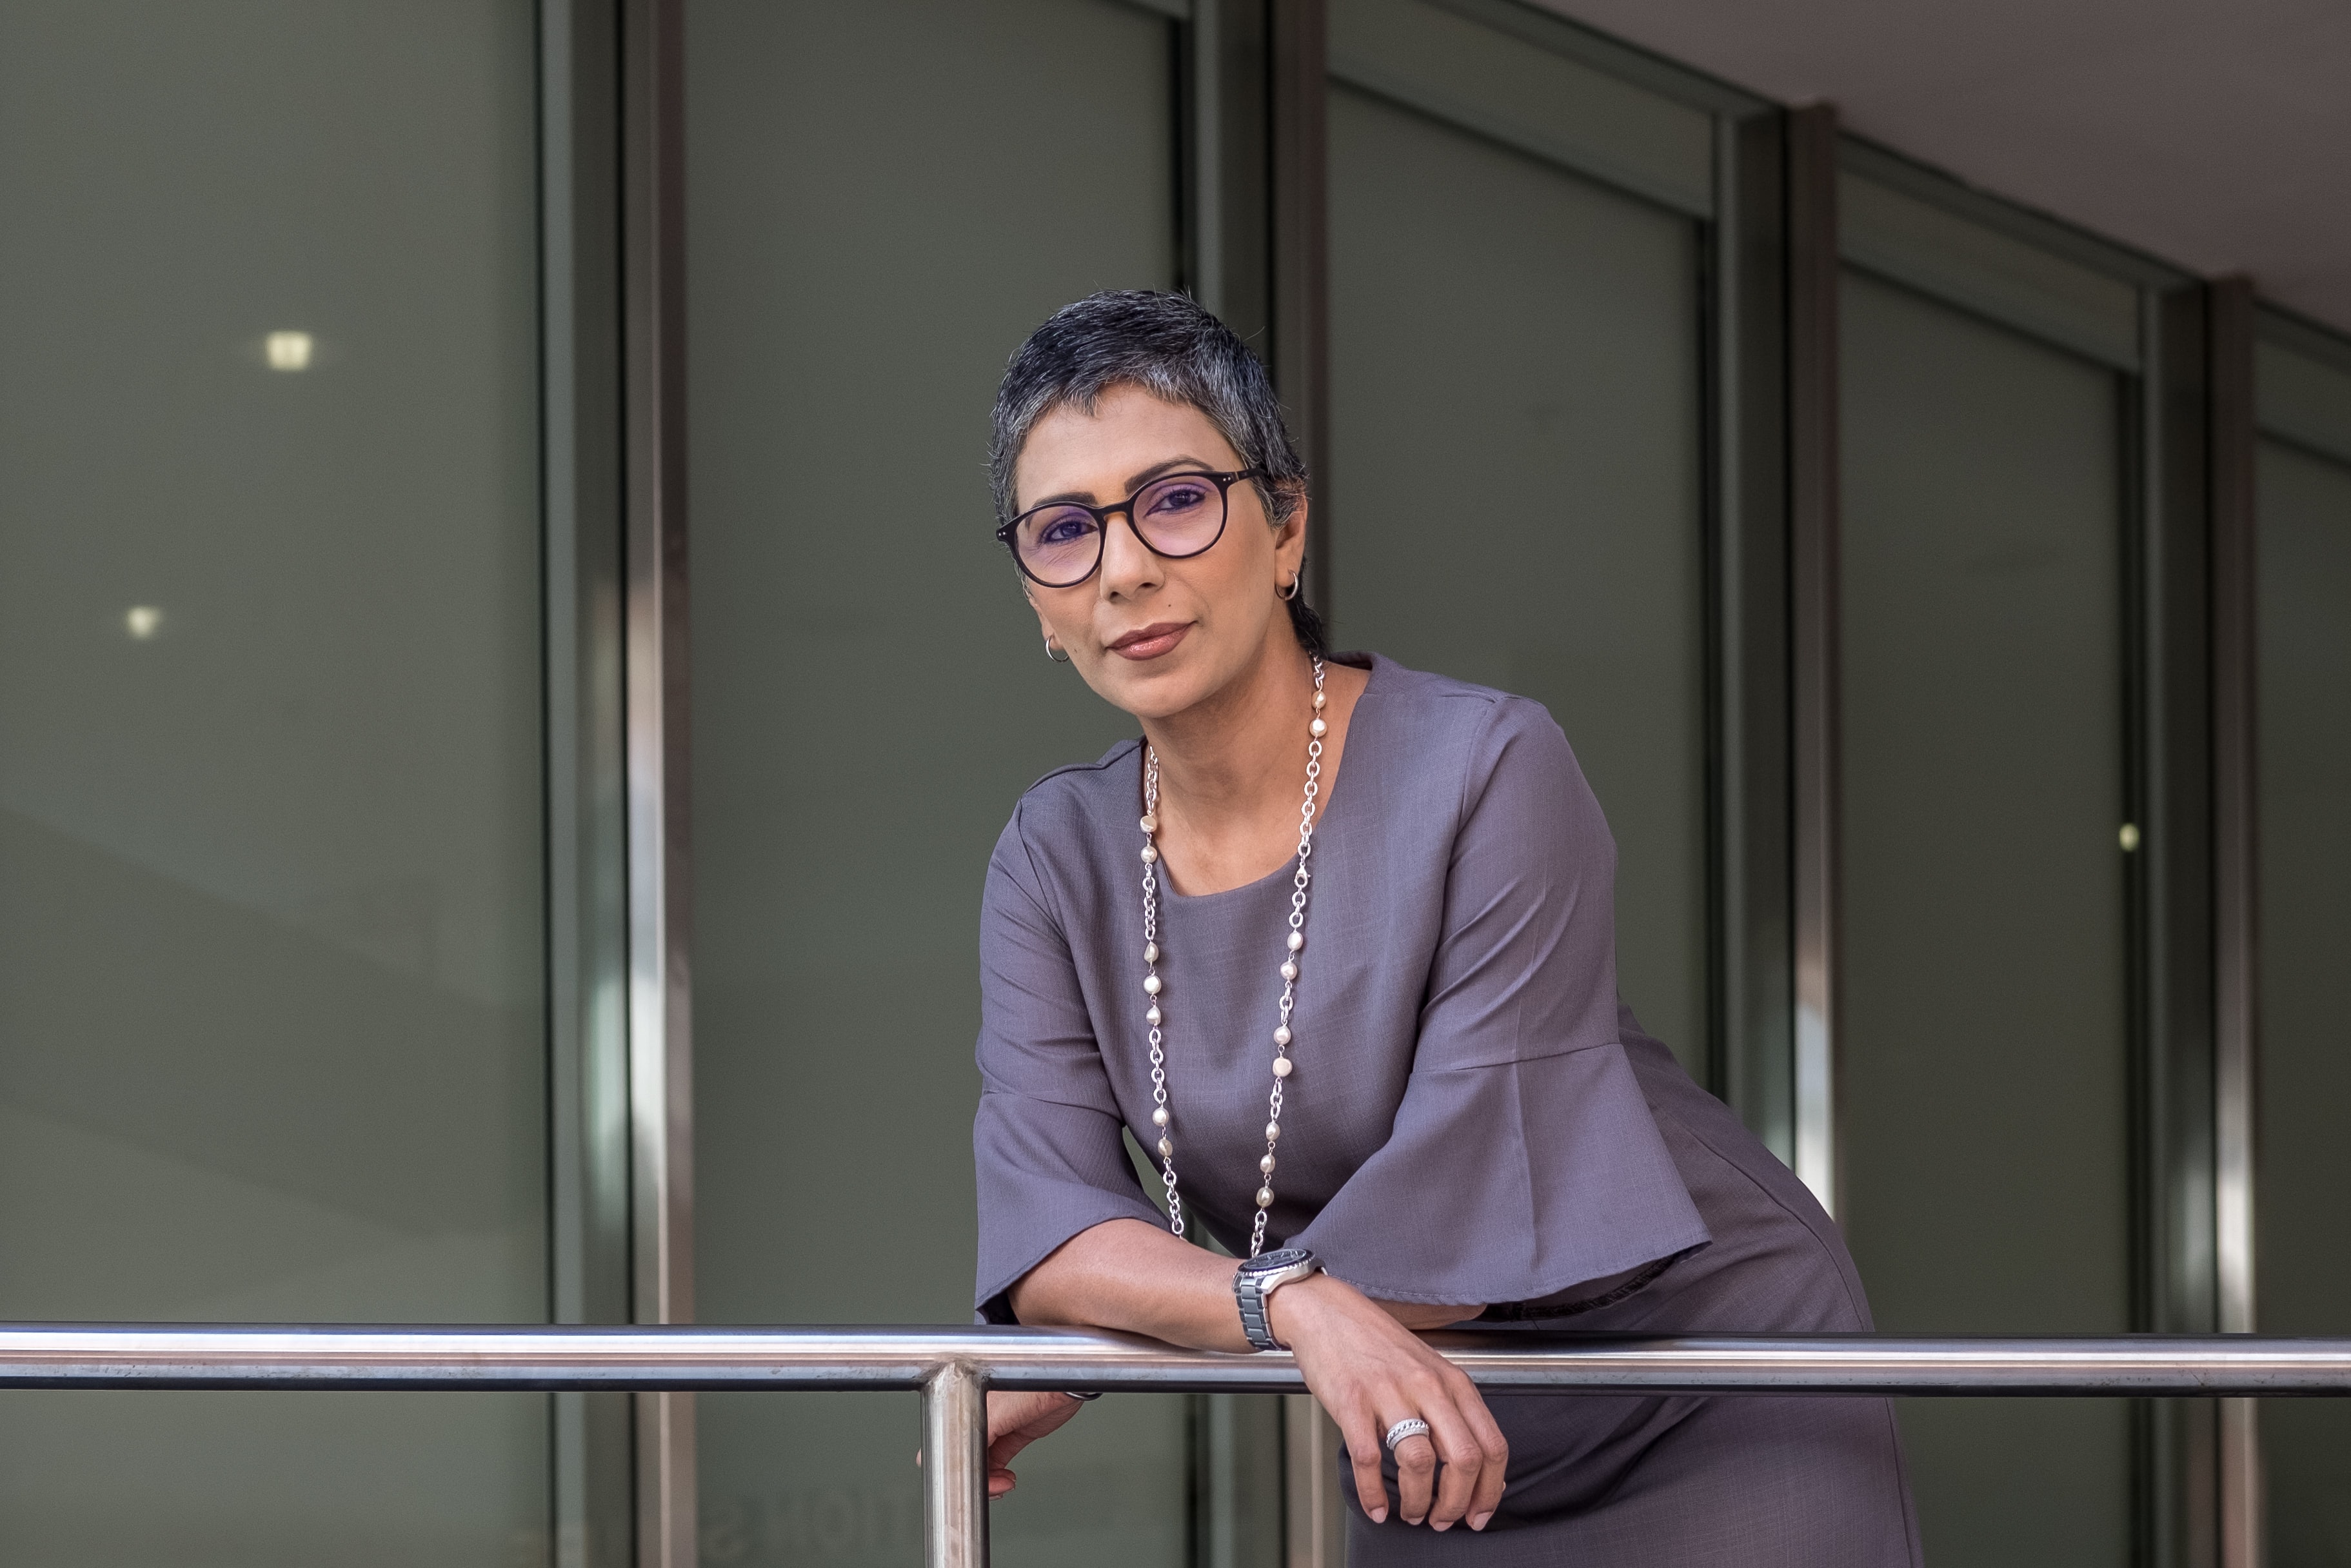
point(1294, 943)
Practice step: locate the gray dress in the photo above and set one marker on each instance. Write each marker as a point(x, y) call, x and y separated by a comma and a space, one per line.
point(1474, 1117)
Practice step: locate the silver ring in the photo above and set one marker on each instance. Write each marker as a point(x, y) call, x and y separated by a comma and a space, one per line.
point(1410, 1427)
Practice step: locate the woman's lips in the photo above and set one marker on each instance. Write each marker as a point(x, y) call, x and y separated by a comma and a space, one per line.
point(1152, 641)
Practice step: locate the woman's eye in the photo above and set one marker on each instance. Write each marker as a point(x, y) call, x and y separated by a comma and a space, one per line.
point(1068, 528)
point(1180, 498)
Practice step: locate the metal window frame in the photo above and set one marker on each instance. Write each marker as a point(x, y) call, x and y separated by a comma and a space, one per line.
point(1299, 302)
point(2175, 705)
point(2235, 876)
point(1814, 698)
point(657, 747)
point(1751, 862)
point(592, 1445)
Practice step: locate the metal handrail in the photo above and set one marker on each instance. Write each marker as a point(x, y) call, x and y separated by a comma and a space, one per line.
point(955, 1367)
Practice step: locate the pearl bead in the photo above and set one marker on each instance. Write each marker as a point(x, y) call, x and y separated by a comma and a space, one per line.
point(1159, 1116)
point(1290, 968)
point(1317, 729)
point(1151, 1018)
point(1150, 984)
point(1265, 1197)
point(1297, 940)
point(1150, 854)
point(1150, 952)
point(1150, 824)
point(1266, 1165)
point(1166, 1147)
point(1281, 1034)
point(1317, 698)
point(1281, 1066)
point(1273, 1132)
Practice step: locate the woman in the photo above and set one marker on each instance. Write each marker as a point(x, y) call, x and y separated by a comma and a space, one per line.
point(1334, 941)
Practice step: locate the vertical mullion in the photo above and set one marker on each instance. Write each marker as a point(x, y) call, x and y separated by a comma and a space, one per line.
point(1301, 304)
point(1754, 1004)
point(1813, 529)
point(1227, 265)
point(2174, 883)
point(586, 829)
point(2235, 934)
point(660, 1040)
point(1239, 1485)
point(1297, 319)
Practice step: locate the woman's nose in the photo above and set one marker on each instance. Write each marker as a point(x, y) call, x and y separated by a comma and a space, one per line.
point(1128, 567)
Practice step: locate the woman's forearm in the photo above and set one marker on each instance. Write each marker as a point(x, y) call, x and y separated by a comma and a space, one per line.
point(1125, 1274)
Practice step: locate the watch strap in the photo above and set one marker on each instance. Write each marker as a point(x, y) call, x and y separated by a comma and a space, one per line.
point(1248, 1289)
point(1253, 1289)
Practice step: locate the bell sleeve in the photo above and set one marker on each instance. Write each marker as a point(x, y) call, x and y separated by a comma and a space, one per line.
point(1523, 1158)
point(1046, 1141)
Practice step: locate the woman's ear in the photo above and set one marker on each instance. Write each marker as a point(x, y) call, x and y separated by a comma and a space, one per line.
point(1290, 539)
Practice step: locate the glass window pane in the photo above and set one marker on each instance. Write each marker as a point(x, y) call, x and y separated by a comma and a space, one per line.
point(2303, 562)
point(1984, 1090)
point(271, 1030)
point(1514, 489)
point(884, 198)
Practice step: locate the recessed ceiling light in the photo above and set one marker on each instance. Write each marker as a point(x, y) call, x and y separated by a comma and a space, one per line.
point(142, 620)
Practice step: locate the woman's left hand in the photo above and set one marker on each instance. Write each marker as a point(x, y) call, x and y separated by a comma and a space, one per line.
point(1369, 1371)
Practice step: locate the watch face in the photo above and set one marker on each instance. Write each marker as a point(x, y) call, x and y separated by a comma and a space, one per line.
point(1284, 1257)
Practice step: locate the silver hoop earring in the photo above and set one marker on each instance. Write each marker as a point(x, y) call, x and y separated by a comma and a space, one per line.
point(1294, 581)
point(1057, 658)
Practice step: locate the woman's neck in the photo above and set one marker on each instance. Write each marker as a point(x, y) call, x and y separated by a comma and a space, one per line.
point(1232, 770)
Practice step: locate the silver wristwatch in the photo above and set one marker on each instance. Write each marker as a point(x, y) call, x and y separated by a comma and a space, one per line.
point(1256, 1280)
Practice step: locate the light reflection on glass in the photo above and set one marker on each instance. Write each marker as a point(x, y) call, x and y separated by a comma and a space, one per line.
point(288, 351)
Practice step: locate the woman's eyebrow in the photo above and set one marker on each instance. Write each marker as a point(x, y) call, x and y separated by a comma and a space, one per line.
point(1086, 497)
point(1157, 469)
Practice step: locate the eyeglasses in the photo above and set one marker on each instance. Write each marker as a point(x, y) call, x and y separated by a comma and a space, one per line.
point(1060, 545)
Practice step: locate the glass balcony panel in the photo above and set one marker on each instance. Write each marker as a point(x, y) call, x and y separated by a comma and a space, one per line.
point(1985, 1086)
point(883, 199)
point(2303, 1284)
point(271, 1035)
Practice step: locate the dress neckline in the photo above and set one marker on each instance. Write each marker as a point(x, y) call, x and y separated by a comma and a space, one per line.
point(1281, 875)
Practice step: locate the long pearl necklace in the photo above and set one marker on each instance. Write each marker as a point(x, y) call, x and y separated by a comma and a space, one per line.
point(1294, 944)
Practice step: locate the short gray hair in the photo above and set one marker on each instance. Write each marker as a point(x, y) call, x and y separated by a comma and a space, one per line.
point(1173, 349)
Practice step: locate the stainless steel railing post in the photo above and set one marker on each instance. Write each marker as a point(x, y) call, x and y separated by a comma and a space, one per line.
point(955, 1467)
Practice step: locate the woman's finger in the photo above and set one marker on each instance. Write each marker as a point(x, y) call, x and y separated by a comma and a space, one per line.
point(1415, 1461)
point(1015, 1421)
point(1488, 1494)
point(1464, 1459)
point(1363, 1453)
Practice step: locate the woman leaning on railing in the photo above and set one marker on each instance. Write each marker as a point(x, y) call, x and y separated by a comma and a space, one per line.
point(1334, 941)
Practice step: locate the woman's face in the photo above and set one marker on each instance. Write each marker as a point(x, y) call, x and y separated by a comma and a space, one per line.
point(1157, 636)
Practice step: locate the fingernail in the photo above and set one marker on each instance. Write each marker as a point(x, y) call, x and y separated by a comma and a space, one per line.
point(1478, 1521)
point(1415, 1520)
point(1379, 1516)
point(1441, 1528)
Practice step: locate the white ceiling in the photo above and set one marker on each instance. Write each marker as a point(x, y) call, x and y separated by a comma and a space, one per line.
point(2214, 133)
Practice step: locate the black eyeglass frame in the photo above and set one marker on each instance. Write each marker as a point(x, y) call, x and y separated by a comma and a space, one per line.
point(1005, 532)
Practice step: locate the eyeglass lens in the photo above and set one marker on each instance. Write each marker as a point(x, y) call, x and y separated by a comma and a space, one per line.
point(1179, 515)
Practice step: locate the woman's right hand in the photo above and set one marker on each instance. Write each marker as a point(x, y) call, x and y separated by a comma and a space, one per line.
point(1017, 1421)
point(1369, 1371)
